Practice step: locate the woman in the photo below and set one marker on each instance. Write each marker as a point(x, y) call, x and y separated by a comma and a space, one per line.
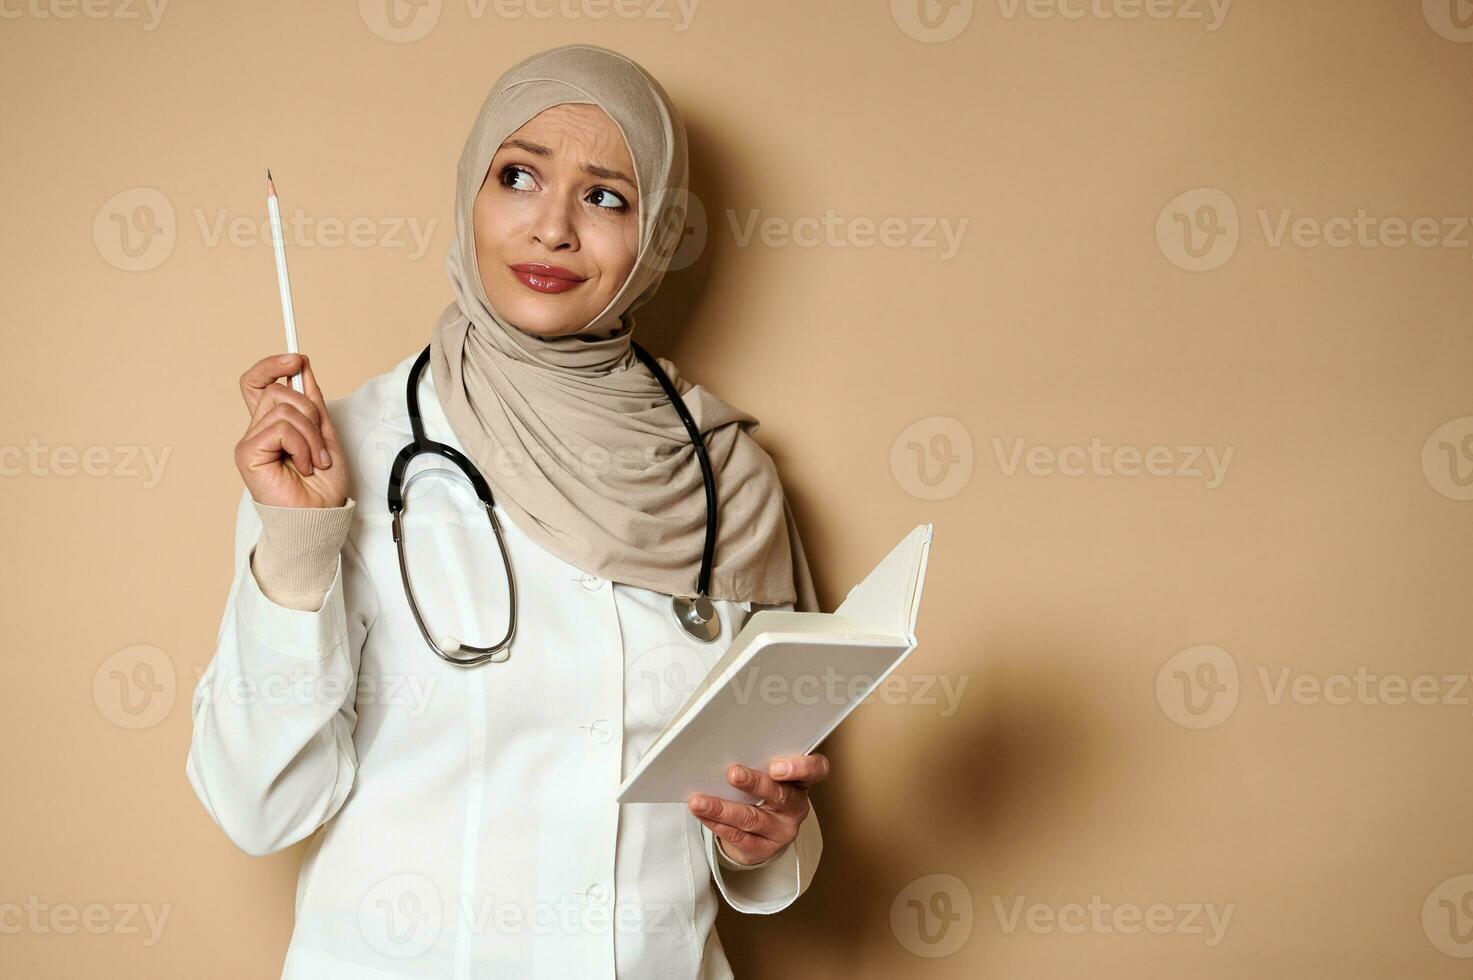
point(462, 819)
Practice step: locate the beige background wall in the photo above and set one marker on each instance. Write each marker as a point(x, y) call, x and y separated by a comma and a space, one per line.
point(1243, 689)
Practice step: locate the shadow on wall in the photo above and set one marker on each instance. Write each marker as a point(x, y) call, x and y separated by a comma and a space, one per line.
point(1011, 754)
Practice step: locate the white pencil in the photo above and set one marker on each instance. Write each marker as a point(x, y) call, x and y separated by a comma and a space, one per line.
point(282, 279)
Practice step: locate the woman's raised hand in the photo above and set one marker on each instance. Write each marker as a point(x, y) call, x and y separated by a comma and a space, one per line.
point(290, 455)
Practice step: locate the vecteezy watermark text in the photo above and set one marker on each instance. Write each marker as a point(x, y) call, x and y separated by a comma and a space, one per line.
point(936, 21)
point(1200, 230)
point(41, 918)
point(933, 459)
point(835, 688)
point(406, 21)
point(402, 915)
point(147, 12)
point(136, 230)
point(1098, 459)
point(38, 460)
point(1124, 918)
point(834, 230)
point(1200, 687)
point(305, 231)
point(1211, 13)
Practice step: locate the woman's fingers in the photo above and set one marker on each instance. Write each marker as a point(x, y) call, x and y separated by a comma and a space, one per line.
point(803, 770)
point(756, 821)
point(309, 436)
point(309, 403)
point(744, 848)
point(265, 372)
point(278, 395)
point(775, 795)
point(324, 419)
point(265, 446)
point(784, 797)
point(289, 438)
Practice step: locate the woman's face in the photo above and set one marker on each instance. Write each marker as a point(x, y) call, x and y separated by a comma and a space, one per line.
point(557, 220)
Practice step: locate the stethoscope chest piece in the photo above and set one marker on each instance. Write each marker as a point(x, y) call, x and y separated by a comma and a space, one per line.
point(697, 616)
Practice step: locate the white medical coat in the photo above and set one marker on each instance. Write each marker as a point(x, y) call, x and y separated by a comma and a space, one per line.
point(463, 821)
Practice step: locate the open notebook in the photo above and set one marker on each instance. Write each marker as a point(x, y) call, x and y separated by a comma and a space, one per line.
point(786, 682)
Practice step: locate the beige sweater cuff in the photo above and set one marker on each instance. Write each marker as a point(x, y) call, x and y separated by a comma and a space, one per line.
point(296, 557)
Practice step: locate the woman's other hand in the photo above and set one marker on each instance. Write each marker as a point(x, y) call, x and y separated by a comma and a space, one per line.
point(290, 455)
point(751, 834)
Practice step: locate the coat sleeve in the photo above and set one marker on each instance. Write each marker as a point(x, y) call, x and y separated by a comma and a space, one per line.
point(271, 756)
point(773, 885)
point(776, 883)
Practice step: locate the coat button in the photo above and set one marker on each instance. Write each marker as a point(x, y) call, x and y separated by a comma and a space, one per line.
point(590, 582)
point(598, 893)
point(601, 730)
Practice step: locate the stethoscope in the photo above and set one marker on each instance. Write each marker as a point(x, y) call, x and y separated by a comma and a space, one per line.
point(695, 614)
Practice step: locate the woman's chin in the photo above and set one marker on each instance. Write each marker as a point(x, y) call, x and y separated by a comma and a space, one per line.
point(541, 322)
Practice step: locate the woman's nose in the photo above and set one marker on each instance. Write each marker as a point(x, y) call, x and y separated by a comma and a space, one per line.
point(554, 224)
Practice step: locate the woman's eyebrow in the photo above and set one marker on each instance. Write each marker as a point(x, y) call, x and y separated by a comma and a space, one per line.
point(591, 169)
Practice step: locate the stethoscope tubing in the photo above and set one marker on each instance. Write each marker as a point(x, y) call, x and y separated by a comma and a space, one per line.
point(694, 614)
point(708, 551)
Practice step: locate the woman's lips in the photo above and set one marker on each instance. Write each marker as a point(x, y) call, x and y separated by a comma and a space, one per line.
point(546, 278)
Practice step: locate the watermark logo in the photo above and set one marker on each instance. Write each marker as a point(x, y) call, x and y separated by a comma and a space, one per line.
point(943, 691)
point(1198, 687)
point(1211, 13)
point(135, 230)
point(149, 13)
point(1207, 463)
point(1451, 19)
point(1198, 229)
point(932, 916)
point(1447, 458)
point(931, 21)
point(400, 21)
point(587, 911)
point(35, 459)
point(1363, 687)
point(678, 233)
point(406, 21)
point(1447, 917)
point(932, 458)
point(134, 688)
point(1104, 918)
point(401, 916)
point(301, 230)
point(302, 687)
point(938, 233)
point(380, 446)
point(684, 230)
point(659, 681)
point(40, 918)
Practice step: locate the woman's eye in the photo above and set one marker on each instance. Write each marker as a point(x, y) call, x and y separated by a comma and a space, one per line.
point(510, 175)
point(520, 179)
point(619, 204)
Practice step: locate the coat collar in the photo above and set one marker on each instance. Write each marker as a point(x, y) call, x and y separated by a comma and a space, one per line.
point(431, 412)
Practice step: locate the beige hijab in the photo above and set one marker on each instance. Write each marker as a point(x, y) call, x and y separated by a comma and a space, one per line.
point(575, 436)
